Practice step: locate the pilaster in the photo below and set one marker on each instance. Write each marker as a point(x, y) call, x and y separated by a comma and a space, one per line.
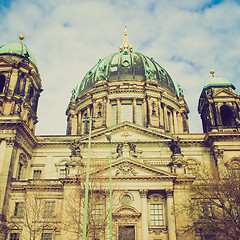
point(143, 194)
point(171, 216)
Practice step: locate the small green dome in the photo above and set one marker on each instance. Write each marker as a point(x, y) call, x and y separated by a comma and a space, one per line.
point(18, 49)
point(126, 65)
point(217, 82)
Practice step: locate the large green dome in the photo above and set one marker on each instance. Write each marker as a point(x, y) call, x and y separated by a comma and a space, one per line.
point(18, 49)
point(126, 65)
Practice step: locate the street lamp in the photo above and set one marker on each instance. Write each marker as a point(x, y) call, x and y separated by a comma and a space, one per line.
point(84, 236)
point(108, 136)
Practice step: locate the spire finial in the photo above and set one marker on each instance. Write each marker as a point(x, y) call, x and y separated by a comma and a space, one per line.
point(212, 72)
point(126, 46)
point(21, 37)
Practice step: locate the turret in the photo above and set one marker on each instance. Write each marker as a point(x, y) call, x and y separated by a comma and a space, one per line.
point(20, 83)
point(219, 106)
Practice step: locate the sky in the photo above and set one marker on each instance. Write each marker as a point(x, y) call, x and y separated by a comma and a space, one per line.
point(186, 37)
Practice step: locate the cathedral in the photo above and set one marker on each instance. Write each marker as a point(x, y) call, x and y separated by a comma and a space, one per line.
point(119, 171)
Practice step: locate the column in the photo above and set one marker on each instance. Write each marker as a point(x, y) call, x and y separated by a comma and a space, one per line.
point(144, 112)
point(79, 122)
point(180, 123)
point(74, 125)
point(165, 117)
point(218, 115)
point(95, 108)
point(175, 121)
point(144, 208)
point(104, 112)
point(160, 113)
point(108, 113)
point(118, 110)
point(149, 112)
point(171, 216)
point(134, 110)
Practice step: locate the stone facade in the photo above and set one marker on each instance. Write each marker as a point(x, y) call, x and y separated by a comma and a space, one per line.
point(152, 153)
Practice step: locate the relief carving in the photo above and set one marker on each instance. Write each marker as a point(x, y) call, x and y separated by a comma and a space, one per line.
point(125, 168)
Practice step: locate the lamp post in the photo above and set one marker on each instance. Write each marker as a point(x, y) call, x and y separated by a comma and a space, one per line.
point(108, 136)
point(84, 234)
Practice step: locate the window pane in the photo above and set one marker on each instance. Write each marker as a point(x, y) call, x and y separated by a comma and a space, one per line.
point(14, 236)
point(126, 110)
point(114, 115)
point(63, 173)
point(46, 236)
point(139, 114)
point(18, 211)
point(97, 214)
point(49, 209)
point(156, 214)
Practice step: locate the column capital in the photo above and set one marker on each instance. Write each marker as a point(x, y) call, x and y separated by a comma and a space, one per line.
point(169, 193)
point(143, 193)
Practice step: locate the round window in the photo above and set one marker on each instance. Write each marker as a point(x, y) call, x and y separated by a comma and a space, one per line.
point(126, 199)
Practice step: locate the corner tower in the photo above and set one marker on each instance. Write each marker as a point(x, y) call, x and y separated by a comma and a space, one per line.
point(219, 106)
point(20, 83)
point(20, 88)
point(127, 86)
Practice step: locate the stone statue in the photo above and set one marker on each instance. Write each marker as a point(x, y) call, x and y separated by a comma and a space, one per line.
point(74, 92)
point(180, 89)
point(174, 147)
point(119, 149)
point(75, 149)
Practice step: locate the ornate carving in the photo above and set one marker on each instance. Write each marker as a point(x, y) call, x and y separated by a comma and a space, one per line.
point(125, 133)
point(218, 153)
point(143, 193)
point(125, 168)
point(158, 231)
point(10, 142)
point(169, 192)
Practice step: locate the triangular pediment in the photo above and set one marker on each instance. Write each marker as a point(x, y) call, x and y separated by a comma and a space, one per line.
point(223, 93)
point(130, 132)
point(128, 168)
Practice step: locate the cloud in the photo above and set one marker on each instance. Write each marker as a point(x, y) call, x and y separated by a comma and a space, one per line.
point(68, 37)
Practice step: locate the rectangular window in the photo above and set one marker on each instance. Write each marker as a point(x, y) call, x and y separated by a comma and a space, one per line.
point(14, 236)
point(97, 214)
point(46, 236)
point(114, 115)
point(37, 174)
point(156, 215)
point(19, 208)
point(126, 112)
point(139, 114)
point(63, 173)
point(49, 209)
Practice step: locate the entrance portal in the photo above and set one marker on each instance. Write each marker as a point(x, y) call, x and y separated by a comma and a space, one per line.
point(126, 233)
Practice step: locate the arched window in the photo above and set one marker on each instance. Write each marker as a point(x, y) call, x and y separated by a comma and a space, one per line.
point(227, 116)
point(2, 83)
